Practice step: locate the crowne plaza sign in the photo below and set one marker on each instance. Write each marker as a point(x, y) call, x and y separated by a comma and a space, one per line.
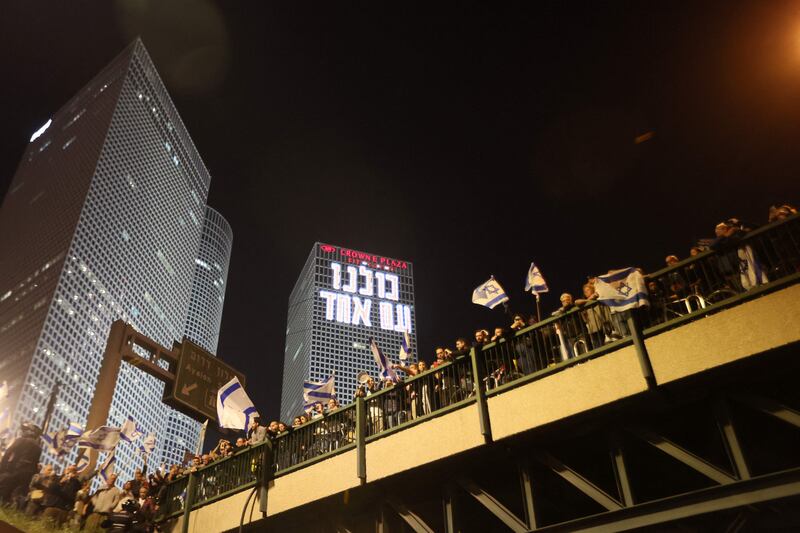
point(366, 291)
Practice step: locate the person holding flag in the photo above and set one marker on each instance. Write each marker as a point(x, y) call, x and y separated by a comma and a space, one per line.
point(235, 410)
point(314, 392)
point(385, 366)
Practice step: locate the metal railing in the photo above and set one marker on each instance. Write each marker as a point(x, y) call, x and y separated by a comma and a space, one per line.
point(734, 268)
point(332, 432)
point(419, 395)
point(212, 482)
point(690, 289)
point(549, 343)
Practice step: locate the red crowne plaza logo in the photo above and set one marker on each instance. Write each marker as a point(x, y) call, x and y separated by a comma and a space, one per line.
point(327, 248)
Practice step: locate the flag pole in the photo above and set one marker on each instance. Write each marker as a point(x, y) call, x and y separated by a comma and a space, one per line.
point(50, 405)
point(538, 311)
point(201, 439)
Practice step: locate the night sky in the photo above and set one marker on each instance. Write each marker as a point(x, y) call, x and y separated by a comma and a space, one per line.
point(468, 139)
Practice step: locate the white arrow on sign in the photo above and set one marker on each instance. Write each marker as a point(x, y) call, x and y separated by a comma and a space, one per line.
point(186, 389)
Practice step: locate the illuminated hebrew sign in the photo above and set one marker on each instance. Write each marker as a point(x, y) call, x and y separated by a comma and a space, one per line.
point(363, 296)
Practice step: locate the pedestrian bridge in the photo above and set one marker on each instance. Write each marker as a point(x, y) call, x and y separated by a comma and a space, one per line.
point(667, 422)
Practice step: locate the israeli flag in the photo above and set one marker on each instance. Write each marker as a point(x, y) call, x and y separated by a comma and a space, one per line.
point(387, 372)
point(82, 464)
point(54, 443)
point(130, 431)
point(750, 271)
point(148, 445)
point(405, 346)
point(74, 432)
point(234, 408)
point(489, 294)
point(535, 282)
point(622, 289)
point(318, 392)
point(103, 438)
point(107, 468)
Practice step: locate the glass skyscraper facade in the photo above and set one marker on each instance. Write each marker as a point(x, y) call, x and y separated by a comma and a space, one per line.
point(210, 279)
point(104, 220)
point(343, 298)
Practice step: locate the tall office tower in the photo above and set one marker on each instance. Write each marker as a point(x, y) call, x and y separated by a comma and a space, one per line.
point(103, 220)
point(343, 298)
point(210, 278)
point(205, 308)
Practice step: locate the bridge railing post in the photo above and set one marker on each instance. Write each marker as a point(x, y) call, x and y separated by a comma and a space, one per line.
point(188, 502)
point(635, 327)
point(480, 396)
point(361, 439)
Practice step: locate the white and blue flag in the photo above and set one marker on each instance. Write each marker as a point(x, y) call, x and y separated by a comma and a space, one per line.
point(535, 282)
point(147, 445)
point(130, 431)
point(622, 289)
point(314, 392)
point(82, 464)
point(751, 273)
point(385, 366)
point(55, 442)
point(489, 294)
point(104, 438)
point(405, 346)
point(234, 408)
point(74, 432)
point(107, 468)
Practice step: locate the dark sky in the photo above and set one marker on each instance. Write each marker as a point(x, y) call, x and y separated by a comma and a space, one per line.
point(468, 139)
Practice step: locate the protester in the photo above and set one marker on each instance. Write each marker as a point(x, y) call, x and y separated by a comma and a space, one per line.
point(103, 502)
point(19, 462)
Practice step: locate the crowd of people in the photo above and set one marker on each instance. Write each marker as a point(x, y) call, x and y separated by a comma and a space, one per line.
point(65, 497)
point(577, 326)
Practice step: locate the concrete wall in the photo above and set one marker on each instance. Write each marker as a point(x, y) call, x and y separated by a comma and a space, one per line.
point(574, 390)
point(751, 328)
point(319, 480)
point(424, 443)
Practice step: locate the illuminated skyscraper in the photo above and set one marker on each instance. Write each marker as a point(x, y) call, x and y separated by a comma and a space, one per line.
point(210, 280)
point(341, 299)
point(104, 220)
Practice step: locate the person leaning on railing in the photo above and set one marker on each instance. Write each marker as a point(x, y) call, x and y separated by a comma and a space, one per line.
point(728, 234)
point(597, 318)
point(411, 394)
point(257, 433)
point(785, 257)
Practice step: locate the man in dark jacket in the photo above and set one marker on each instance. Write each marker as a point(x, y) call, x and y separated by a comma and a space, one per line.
point(59, 496)
point(19, 462)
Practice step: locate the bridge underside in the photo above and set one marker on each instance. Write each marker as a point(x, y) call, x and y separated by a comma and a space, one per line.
point(719, 451)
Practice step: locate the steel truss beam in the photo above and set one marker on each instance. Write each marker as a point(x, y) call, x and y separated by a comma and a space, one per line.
point(730, 438)
point(747, 492)
point(684, 456)
point(493, 506)
point(770, 407)
point(412, 519)
point(526, 485)
point(620, 470)
point(579, 482)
